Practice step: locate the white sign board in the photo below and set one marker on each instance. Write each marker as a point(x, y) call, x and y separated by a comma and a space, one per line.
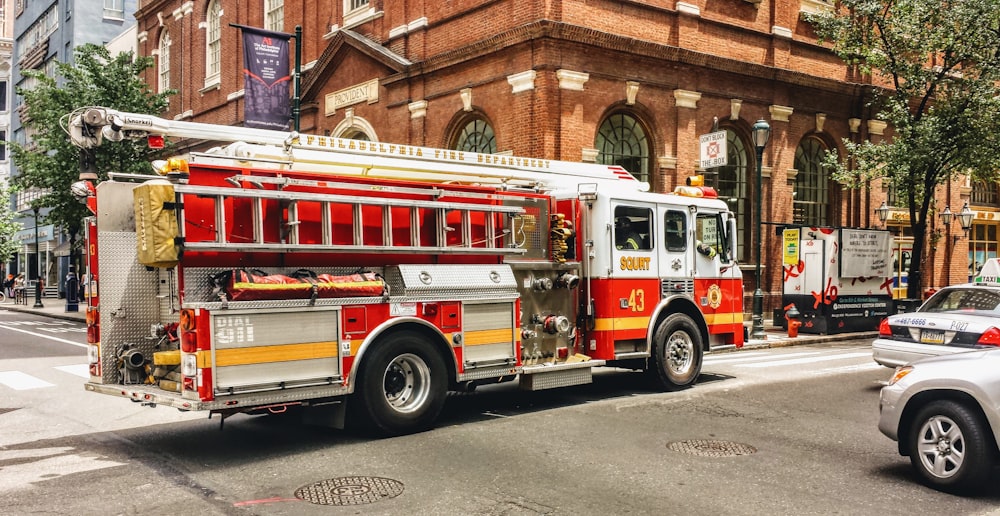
point(865, 253)
point(713, 150)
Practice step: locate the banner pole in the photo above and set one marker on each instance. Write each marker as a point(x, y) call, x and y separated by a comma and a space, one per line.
point(298, 73)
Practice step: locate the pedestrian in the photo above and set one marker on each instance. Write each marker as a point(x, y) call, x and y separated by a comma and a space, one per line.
point(8, 285)
point(19, 288)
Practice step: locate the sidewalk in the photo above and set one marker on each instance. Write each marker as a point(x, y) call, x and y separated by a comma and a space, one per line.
point(51, 307)
point(775, 336)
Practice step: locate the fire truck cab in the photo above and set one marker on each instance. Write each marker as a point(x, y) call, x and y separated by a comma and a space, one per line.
point(364, 280)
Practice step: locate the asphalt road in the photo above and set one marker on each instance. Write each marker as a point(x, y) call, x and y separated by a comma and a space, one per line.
point(776, 431)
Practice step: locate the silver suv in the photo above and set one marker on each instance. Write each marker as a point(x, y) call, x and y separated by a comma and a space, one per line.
point(944, 413)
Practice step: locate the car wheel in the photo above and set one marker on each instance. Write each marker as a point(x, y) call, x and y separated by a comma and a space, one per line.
point(402, 386)
point(950, 447)
point(676, 354)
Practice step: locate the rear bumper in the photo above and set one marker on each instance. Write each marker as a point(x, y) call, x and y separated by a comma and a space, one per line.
point(891, 353)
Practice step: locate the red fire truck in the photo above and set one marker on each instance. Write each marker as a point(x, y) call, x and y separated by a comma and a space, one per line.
point(364, 280)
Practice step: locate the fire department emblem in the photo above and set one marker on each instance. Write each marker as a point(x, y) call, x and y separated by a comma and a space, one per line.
point(714, 296)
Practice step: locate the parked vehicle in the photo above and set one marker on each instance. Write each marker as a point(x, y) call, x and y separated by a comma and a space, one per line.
point(944, 413)
point(955, 319)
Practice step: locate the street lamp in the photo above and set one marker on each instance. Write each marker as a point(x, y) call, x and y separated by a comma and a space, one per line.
point(38, 266)
point(883, 213)
point(761, 133)
point(965, 218)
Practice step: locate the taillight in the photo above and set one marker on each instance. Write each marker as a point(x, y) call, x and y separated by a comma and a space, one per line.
point(93, 325)
point(884, 330)
point(94, 359)
point(189, 341)
point(990, 337)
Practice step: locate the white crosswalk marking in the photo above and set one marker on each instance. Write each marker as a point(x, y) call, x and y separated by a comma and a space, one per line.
point(808, 360)
point(21, 381)
point(48, 463)
point(730, 358)
point(80, 370)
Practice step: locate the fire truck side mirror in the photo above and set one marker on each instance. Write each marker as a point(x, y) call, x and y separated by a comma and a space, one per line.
point(730, 254)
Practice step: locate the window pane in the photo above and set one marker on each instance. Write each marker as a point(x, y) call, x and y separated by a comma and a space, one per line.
point(476, 136)
point(214, 38)
point(633, 228)
point(811, 195)
point(675, 229)
point(731, 182)
point(621, 141)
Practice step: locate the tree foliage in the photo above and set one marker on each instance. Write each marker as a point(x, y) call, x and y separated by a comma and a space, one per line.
point(935, 65)
point(50, 163)
point(8, 227)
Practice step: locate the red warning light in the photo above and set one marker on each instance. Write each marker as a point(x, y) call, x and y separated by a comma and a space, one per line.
point(155, 141)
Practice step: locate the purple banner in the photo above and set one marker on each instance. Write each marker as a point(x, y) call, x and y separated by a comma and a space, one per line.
point(266, 79)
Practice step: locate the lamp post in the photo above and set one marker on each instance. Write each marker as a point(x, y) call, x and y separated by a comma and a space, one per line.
point(883, 213)
point(761, 133)
point(38, 266)
point(965, 218)
point(946, 217)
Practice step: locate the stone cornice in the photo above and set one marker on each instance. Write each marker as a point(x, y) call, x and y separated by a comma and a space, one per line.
point(588, 37)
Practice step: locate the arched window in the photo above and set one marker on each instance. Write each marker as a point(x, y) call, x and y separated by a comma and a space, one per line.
point(164, 62)
point(622, 141)
point(811, 201)
point(731, 183)
point(356, 134)
point(213, 41)
point(475, 135)
point(984, 193)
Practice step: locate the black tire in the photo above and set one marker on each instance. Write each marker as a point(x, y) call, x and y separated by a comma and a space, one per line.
point(677, 353)
point(401, 387)
point(950, 447)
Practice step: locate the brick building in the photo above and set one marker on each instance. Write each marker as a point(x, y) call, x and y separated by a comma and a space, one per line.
point(613, 81)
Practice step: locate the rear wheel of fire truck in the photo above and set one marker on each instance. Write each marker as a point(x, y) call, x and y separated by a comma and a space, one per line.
point(402, 386)
point(676, 354)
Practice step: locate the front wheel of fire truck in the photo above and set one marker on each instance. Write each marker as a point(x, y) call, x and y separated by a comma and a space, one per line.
point(677, 353)
point(401, 386)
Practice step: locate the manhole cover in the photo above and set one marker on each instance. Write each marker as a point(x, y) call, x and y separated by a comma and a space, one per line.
point(710, 448)
point(350, 491)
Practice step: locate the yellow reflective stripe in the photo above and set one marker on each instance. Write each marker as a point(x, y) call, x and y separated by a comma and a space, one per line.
point(621, 323)
point(281, 353)
point(475, 338)
point(731, 318)
point(632, 323)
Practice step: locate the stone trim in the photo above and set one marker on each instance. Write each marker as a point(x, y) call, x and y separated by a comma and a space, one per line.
point(780, 113)
point(687, 98)
point(417, 109)
point(522, 81)
point(570, 80)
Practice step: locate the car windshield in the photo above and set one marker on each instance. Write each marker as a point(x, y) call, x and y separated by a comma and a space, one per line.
point(963, 299)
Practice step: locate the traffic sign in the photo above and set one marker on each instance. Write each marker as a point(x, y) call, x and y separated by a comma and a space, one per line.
point(713, 150)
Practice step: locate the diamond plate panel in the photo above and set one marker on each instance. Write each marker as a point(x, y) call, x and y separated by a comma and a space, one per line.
point(129, 300)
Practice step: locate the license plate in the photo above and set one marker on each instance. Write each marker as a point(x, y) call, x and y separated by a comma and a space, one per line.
point(932, 337)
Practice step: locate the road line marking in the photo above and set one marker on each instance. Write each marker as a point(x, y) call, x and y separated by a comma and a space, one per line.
point(855, 368)
point(43, 336)
point(757, 356)
point(807, 360)
point(21, 382)
point(81, 370)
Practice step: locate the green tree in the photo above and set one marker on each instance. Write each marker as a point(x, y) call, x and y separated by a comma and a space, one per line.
point(8, 226)
point(50, 163)
point(936, 70)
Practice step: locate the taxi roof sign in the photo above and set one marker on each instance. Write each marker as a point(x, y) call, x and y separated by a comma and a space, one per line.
point(990, 273)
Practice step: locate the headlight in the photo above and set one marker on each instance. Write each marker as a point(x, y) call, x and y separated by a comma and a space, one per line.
point(901, 371)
